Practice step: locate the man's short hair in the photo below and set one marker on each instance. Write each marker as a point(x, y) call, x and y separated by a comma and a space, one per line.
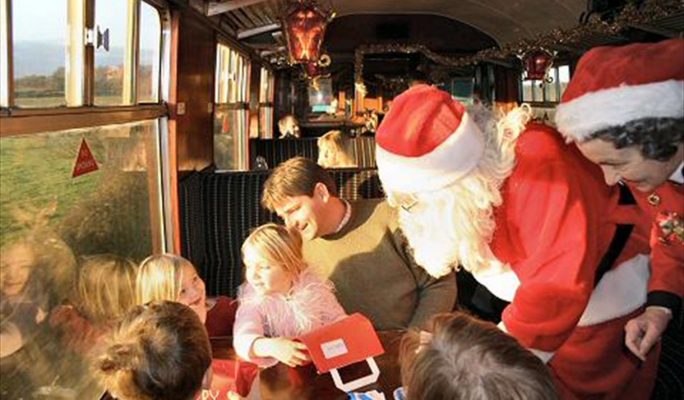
point(657, 138)
point(295, 177)
point(466, 358)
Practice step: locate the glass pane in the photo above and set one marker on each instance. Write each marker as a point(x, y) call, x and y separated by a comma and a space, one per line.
point(563, 77)
point(47, 220)
point(150, 53)
point(39, 29)
point(266, 122)
point(527, 91)
point(551, 89)
point(111, 21)
point(229, 127)
point(222, 58)
point(537, 91)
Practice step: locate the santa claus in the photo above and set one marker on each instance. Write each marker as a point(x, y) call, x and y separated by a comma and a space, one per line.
point(532, 221)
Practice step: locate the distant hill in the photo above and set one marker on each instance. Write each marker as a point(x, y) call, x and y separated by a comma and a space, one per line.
point(40, 58)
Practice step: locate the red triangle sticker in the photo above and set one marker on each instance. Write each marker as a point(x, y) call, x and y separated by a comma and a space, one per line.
point(85, 162)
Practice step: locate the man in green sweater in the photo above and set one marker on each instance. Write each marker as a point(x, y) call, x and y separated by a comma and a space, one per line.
point(358, 246)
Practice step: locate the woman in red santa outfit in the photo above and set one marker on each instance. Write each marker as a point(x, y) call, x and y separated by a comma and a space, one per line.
point(624, 108)
point(529, 218)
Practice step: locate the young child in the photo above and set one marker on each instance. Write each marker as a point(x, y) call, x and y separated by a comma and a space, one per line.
point(281, 299)
point(105, 291)
point(159, 351)
point(461, 357)
point(23, 303)
point(171, 277)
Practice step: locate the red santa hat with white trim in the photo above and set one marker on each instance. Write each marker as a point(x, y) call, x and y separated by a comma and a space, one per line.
point(615, 85)
point(426, 141)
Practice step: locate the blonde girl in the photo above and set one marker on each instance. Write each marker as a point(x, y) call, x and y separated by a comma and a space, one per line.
point(334, 151)
point(280, 300)
point(173, 278)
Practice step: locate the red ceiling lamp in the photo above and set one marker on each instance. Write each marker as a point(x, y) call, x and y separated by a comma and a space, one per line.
point(537, 64)
point(304, 24)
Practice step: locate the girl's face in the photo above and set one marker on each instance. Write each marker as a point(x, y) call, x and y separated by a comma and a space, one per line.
point(266, 277)
point(16, 264)
point(193, 293)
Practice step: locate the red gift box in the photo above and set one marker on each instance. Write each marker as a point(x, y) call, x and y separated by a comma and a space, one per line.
point(348, 341)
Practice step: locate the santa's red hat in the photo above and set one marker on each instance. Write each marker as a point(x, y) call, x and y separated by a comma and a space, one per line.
point(426, 141)
point(615, 85)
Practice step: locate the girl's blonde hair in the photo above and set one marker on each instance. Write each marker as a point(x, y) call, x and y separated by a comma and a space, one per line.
point(335, 151)
point(277, 244)
point(105, 288)
point(159, 351)
point(160, 277)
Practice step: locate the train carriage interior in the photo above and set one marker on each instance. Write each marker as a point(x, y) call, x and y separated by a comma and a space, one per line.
point(138, 127)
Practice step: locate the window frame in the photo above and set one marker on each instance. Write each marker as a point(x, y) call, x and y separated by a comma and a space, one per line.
point(16, 121)
point(243, 97)
point(556, 82)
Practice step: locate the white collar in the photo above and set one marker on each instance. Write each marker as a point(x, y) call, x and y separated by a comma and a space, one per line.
point(347, 216)
point(678, 175)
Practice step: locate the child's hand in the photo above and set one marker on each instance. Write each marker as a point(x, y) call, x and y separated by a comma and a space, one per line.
point(287, 351)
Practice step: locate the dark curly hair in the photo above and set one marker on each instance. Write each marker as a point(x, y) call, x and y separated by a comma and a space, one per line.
point(658, 138)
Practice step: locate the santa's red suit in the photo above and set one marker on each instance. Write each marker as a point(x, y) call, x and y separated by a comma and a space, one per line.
point(553, 228)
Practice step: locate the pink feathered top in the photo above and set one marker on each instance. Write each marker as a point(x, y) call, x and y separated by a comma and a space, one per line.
point(309, 304)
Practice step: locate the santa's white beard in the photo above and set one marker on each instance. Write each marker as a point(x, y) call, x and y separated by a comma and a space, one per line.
point(431, 242)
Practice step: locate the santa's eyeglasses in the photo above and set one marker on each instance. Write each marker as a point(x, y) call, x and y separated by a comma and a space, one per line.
point(404, 201)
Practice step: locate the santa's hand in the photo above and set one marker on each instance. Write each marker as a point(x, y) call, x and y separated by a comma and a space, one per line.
point(644, 331)
point(288, 351)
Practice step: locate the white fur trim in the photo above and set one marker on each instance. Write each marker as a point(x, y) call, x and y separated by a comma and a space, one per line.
point(545, 356)
point(448, 162)
point(498, 278)
point(620, 291)
point(582, 116)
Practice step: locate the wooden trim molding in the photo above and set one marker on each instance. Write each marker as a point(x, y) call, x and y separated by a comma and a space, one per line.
point(22, 122)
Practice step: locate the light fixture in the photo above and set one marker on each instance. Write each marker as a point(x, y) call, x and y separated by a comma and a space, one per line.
point(304, 24)
point(537, 64)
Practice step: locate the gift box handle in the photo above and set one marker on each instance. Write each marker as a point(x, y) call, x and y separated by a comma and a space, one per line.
point(359, 382)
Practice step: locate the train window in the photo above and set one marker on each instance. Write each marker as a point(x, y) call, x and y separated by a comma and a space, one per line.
point(113, 52)
point(49, 220)
point(39, 45)
point(551, 92)
point(232, 109)
point(266, 95)
point(150, 54)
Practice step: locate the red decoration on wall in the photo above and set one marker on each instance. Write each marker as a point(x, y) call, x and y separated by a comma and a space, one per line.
point(85, 162)
point(304, 25)
point(536, 64)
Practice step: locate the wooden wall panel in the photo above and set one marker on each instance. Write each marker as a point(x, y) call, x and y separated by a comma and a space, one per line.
point(196, 60)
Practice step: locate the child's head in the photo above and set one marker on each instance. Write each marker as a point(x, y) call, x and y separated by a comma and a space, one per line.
point(334, 150)
point(460, 357)
point(288, 126)
point(159, 351)
point(273, 258)
point(173, 278)
point(105, 288)
point(17, 260)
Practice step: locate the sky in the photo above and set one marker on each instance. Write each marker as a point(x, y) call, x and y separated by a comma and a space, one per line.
point(40, 31)
point(46, 20)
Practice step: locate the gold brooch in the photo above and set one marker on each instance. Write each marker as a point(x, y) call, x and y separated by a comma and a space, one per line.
point(653, 199)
